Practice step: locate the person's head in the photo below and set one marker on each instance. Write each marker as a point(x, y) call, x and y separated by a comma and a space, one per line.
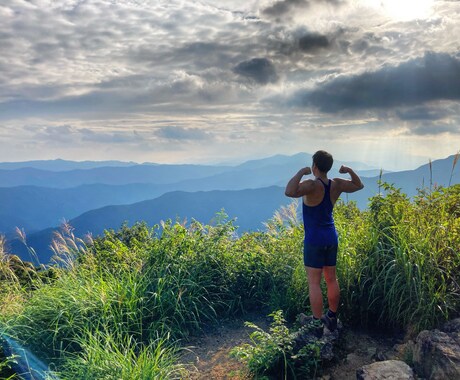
point(323, 161)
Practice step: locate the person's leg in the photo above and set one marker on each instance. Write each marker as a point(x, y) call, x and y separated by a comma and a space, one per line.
point(333, 290)
point(314, 290)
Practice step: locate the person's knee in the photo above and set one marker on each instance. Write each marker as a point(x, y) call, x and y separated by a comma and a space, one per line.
point(330, 276)
point(314, 275)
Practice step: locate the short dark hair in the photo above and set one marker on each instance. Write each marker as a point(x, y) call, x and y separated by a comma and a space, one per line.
point(323, 160)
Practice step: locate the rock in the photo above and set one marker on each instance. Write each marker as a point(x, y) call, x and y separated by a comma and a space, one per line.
point(453, 327)
point(324, 338)
point(436, 353)
point(402, 352)
point(386, 370)
point(379, 355)
point(352, 358)
point(327, 351)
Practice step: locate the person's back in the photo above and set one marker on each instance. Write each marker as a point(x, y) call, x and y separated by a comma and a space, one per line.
point(317, 217)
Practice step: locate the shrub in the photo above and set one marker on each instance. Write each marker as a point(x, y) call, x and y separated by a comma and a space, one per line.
point(273, 353)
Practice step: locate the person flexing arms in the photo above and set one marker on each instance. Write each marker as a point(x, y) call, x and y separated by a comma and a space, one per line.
point(321, 240)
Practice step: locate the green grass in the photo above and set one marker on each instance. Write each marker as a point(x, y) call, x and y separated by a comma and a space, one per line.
point(402, 262)
point(127, 301)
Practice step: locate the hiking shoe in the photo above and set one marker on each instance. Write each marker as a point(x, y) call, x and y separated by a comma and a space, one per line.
point(329, 322)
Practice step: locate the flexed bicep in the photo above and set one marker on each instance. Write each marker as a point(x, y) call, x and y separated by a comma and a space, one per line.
point(348, 186)
point(295, 188)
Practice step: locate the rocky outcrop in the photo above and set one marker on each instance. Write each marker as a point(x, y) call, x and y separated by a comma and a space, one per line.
point(436, 353)
point(385, 370)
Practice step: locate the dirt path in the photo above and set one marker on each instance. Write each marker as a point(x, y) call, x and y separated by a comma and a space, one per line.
point(209, 359)
point(208, 356)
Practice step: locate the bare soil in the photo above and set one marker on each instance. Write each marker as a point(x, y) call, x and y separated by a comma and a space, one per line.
point(207, 357)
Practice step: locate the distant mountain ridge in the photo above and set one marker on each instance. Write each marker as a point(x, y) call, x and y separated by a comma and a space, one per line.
point(35, 208)
point(250, 207)
point(63, 165)
point(35, 199)
point(155, 174)
point(93, 207)
point(159, 174)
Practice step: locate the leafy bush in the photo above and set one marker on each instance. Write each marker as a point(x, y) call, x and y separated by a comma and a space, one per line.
point(273, 353)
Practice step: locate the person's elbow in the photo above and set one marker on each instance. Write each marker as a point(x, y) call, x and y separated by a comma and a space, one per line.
point(291, 192)
point(354, 187)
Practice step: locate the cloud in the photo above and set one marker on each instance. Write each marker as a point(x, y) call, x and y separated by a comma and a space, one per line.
point(179, 71)
point(434, 77)
point(182, 134)
point(56, 134)
point(429, 129)
point(313, 41)
point(71, 134)
point(283, 7)
point(260, 70)
point(423, 113)
point(111, 137)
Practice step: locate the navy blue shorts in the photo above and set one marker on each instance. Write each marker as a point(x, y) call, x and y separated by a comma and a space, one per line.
point(318, 256)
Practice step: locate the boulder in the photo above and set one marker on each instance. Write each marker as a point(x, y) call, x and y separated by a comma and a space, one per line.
point(385, 370)
point(436, 353)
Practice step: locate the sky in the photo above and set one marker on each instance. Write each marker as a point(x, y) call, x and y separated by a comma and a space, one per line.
point(220, 81)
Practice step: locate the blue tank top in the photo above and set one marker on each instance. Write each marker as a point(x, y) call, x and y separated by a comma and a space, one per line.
point(318, 221)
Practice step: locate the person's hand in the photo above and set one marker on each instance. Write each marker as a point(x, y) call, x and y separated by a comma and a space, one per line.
point(306, 171)
point(343, 169)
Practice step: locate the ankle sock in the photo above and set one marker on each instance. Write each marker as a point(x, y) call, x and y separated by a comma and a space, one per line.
point(331, 314)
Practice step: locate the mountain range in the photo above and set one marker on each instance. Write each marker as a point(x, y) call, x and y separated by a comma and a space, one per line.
point(98, 198)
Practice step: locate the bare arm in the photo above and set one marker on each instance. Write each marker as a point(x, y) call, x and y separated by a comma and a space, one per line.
point(297, 189)
point(349, 185)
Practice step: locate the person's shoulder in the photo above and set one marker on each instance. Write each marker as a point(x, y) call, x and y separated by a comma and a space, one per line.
point(308, 185)
point(337, 182)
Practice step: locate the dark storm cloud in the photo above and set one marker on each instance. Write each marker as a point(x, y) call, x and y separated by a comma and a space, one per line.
point(313, 41)
point(282, 7)
point(181, 133)
point(260, 70)
point(294, 43)
point(422, 113)
point(433, 77)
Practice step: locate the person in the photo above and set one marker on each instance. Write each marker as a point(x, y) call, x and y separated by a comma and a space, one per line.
point(321, 241)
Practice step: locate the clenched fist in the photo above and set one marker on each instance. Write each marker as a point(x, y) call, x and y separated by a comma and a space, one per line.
point(306, 171)
point(343, 169)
